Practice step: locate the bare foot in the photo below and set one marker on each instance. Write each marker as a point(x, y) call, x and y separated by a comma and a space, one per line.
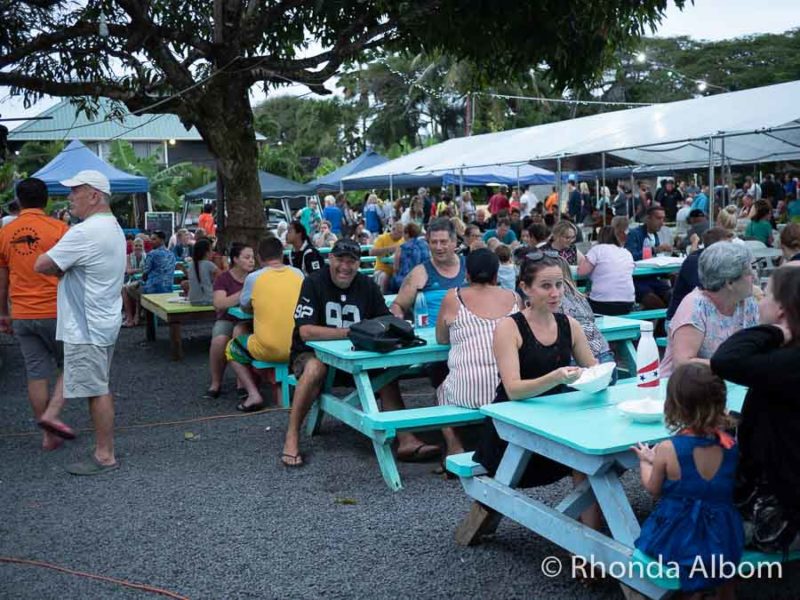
point(51, 442)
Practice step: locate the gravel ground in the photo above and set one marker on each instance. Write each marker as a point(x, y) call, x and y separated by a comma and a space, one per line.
point(218, 517)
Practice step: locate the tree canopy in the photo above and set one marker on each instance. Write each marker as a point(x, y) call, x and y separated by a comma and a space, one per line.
point(199, 59)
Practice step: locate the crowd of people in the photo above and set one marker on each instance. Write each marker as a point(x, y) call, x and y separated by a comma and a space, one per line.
point(499, 289)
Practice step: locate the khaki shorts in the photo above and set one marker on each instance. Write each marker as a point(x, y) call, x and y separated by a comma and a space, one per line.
point(87, 369)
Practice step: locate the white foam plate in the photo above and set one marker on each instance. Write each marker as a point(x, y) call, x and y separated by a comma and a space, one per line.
point(646, 410)
point(594, 379)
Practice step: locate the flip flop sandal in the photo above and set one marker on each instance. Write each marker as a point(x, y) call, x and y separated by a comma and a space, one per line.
point(242, 407)
point(417, 455)
point(298, 460)
point(91, 467)
point(59, 429)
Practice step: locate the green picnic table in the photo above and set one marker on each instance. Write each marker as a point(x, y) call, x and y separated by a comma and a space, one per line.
point(174, 310)
point(588, 433)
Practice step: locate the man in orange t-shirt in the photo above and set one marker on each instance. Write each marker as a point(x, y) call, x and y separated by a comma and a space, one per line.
point(33, 305)
point(206, 221)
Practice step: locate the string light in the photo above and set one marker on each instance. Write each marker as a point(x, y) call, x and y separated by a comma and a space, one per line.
point(702, 85)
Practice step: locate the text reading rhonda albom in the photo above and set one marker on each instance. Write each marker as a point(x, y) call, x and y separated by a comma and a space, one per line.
point(715, 567)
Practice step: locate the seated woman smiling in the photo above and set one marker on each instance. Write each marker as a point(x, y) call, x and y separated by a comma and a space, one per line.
point(707, 317)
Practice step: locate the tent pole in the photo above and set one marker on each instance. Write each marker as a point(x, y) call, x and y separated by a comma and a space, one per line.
point(461, 193)
point(724, 192)
point(711, 181)
point(391, 190)
point(558, 185)
point(603, 174)
point(519, 188)
point(628, 206)
point(597, 197)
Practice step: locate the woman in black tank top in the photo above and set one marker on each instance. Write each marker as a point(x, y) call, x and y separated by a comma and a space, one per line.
point(534, 349)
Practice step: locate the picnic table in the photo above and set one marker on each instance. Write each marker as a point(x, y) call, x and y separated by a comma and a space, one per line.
point(654, 267)
point(359, 409)
point(587, 433)
point(174, 310)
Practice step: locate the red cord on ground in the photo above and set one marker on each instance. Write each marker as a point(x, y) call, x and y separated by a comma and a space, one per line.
point(122, 582)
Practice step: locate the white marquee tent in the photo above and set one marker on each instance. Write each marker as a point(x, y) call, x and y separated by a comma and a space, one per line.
point(750, 126)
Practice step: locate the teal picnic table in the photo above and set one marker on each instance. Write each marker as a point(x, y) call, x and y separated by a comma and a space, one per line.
point(589, 434)
point(641, 270)
point(372, 371)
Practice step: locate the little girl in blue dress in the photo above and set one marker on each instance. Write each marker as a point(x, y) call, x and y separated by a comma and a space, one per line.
point(695, 523)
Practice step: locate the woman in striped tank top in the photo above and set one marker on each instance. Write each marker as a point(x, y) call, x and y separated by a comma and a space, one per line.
point(466, 321)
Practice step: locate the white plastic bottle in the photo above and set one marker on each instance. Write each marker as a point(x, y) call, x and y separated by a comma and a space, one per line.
point(420, 310)
point(647, 365)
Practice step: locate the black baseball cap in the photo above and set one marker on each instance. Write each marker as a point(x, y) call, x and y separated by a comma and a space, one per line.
point(696, 212)
point(346, 247)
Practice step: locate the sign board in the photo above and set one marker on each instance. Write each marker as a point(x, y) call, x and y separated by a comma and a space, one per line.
point(163, 221)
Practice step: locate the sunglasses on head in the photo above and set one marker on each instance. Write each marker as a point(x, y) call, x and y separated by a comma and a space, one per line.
point(541, 254)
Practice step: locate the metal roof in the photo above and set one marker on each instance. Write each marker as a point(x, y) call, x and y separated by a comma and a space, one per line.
point(66, 124)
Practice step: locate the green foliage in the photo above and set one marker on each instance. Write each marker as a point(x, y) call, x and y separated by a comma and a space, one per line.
point(306, 131)
point(167, 185)
point(8, 174)
point(326, 165)
point(36, 154)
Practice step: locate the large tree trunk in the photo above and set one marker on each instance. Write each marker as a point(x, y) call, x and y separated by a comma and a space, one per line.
point(226, 123)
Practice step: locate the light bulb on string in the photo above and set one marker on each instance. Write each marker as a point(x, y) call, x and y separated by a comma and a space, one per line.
point(702, 86)
point(641, 57)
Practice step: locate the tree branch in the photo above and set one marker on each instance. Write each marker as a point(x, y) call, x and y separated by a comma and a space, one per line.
point(149, 37)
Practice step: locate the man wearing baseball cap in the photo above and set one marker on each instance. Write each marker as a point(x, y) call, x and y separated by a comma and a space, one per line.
point(331, 300)
point(90, 262)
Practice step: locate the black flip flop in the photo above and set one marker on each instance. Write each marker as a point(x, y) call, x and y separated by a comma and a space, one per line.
point(294, 457)
point(242, 407)
point(417, 456)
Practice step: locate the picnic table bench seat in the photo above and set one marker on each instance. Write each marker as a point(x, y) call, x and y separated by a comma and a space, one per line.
point(668, 581)
point(463, 466)
point(282, 376)
point(418, 419)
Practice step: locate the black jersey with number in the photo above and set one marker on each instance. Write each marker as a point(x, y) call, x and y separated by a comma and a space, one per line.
point(308, 259)
point(322, 303)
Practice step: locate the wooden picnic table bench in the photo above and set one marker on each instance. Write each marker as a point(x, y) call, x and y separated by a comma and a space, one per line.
point(174, 311)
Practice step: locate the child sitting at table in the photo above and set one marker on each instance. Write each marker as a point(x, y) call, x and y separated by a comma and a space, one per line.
point(693, 473)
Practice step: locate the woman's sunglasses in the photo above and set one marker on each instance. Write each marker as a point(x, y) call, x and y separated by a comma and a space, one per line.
point(541, 254)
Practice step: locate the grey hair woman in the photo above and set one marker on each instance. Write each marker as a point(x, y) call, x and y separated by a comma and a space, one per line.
point(707, 317)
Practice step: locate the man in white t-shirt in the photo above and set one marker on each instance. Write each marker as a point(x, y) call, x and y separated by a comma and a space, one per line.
point(90, 261)
point(527, 202)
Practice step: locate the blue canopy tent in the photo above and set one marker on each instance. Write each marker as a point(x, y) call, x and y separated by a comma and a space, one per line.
point(272, 186)
point(469, 176)
point(503, 174)
point(332, 182)
point(77, 157)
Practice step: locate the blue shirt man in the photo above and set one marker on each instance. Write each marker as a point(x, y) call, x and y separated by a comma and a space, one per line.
point(700, 202)
point(504, 233)
point(333, 214)
point(159, 266)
